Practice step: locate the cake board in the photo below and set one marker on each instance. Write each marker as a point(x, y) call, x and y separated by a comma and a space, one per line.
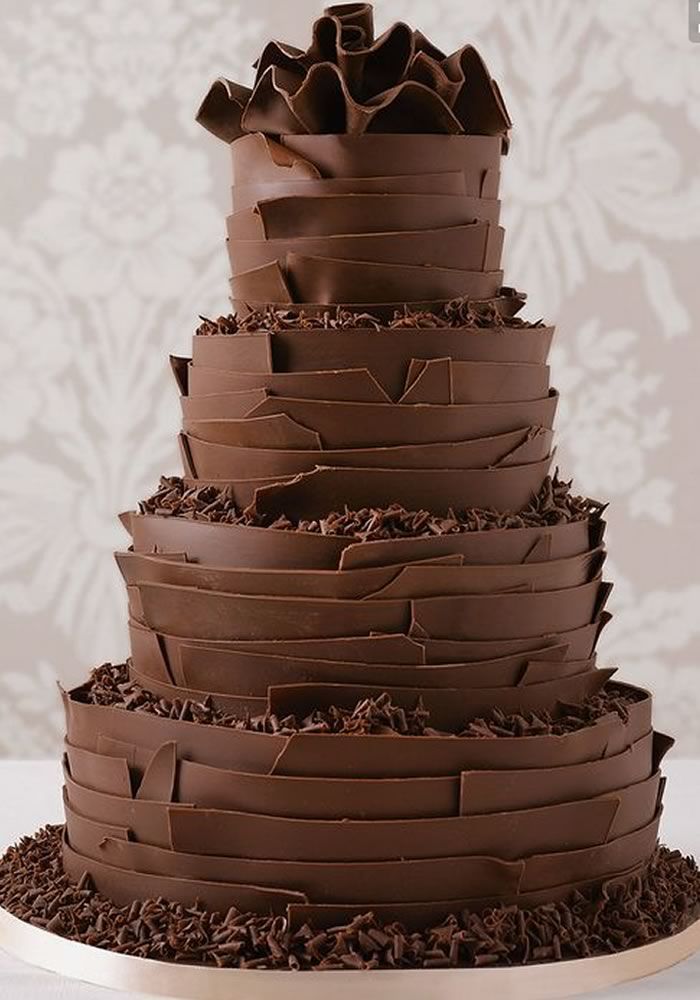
point(544, 981)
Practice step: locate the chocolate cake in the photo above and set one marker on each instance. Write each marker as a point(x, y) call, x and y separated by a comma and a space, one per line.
point(363, 690)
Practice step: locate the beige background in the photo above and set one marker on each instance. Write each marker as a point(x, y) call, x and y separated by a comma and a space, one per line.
point(111, 229)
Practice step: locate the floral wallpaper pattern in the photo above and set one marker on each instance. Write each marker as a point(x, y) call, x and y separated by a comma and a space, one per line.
point(111, 244)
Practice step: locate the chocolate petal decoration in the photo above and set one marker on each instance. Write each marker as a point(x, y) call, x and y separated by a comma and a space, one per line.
point(222, 109)
point(359, 16)
point(380, 66)
point(268, 109)
point(479, 105)
point(286, 57)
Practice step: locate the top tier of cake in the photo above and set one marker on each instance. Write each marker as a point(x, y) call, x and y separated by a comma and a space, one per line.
point(366, 172)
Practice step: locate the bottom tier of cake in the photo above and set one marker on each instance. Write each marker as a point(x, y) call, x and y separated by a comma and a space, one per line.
point(660, 900)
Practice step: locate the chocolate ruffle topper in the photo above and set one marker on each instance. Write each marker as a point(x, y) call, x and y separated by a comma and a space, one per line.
point(349, 82)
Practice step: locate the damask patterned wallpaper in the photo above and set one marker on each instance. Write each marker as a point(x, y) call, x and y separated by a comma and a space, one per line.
point(111, 243)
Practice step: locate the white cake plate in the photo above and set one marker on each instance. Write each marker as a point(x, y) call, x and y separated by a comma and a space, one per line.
point(191, 982)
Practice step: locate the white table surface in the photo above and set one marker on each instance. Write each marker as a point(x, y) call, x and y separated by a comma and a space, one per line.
point(30, 794)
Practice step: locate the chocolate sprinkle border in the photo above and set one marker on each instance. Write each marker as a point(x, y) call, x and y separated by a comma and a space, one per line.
point(661, 901)
point(554, 504)
point(110, 685)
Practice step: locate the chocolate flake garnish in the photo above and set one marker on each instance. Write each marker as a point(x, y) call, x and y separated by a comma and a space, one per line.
point(110, 685)
point(554, 504)
point(661, 900)
point(462, 313)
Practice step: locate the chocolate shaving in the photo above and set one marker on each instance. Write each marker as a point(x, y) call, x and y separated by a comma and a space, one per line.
point(111, 685)
point(462, 314)
point(554, 504)
point(660, 901)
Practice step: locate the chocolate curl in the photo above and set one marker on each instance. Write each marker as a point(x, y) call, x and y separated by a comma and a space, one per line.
point(359, 16)
point(222, 109)
point(315, 494)
point(233, 705)
point(479, 105)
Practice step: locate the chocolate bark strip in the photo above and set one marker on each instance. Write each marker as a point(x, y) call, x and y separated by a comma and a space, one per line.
point(386, 354)
point(665, 892)
point(581, 737)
